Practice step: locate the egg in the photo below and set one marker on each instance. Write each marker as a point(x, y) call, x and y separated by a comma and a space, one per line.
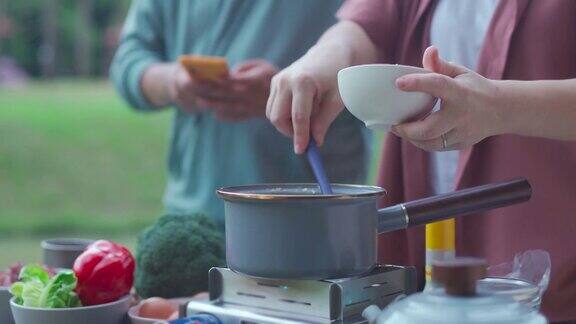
point(157, 308)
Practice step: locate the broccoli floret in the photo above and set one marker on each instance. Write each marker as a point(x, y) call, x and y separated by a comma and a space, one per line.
point(174, 255)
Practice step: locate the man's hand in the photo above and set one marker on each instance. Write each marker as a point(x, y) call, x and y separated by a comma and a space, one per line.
point(243, 95)
point(182, 90)
point(470, 110)
point(240, 96)
point(165, 84)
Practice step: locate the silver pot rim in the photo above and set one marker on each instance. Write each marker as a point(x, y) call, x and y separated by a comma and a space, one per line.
point(281, 192)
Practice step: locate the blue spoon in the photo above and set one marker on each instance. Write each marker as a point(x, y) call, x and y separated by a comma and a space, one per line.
point(318, 168)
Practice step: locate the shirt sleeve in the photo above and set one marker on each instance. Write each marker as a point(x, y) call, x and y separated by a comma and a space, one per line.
point(141, 45)
point(380, 19)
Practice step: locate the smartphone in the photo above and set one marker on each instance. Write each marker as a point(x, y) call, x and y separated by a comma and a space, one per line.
point(211, 68)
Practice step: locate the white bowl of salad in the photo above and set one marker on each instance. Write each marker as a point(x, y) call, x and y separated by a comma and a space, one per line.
point(96, 290)
point(112, 313)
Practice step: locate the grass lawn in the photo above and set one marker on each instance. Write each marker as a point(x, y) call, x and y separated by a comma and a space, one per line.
point(74, 157)
point(76, 161)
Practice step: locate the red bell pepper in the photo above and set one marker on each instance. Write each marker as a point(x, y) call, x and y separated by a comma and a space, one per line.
point(105, 272)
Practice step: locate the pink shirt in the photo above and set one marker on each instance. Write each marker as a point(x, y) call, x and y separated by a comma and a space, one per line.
point(526, 40)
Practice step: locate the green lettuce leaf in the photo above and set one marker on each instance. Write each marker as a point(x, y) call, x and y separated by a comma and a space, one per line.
point(37, 289)
point(16, 290)
point(34, 272)
point(59, 292)
point(31, 293)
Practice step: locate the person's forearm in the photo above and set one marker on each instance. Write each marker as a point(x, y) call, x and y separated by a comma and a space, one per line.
point(544, 108)
point(342, 45)
point(304, 97)
point(156, 82)
point(348, 39)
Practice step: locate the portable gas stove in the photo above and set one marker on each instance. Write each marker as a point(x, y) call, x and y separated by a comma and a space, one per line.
point(236, 298)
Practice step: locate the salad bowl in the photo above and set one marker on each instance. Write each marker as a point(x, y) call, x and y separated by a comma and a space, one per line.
point(110, 313)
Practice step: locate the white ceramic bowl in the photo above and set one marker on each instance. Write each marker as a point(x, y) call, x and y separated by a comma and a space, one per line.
point(110, 313)
point(5, 312)
point(370, 93)
point(134, 310)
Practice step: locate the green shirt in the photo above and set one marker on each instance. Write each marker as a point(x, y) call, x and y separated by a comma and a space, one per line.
point(206, 154)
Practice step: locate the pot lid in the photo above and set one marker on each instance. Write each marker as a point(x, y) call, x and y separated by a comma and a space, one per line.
point(297, 191)
point(457, 301)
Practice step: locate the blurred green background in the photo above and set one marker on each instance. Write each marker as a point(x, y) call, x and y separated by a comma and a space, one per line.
point(75, 161)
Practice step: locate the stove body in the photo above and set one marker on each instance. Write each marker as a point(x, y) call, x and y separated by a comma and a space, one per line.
point(239, 299)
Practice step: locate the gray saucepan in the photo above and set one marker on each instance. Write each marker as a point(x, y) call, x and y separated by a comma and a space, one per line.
point(290, 231)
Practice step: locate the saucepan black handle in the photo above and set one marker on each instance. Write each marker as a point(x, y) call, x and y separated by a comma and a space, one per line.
point(454, 204)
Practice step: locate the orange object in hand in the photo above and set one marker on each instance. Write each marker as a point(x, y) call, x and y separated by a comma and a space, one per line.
point(211, 68)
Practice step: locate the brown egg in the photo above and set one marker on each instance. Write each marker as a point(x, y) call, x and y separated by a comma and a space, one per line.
point(157, 308)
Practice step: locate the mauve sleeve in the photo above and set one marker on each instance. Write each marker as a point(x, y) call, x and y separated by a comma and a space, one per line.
point(380, 19)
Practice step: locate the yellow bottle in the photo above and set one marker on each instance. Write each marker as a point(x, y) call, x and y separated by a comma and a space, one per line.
point(440, 244)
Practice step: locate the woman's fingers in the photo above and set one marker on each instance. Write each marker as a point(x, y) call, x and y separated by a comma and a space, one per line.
point(458, 124)
point(437, 85)
point(279, 110)
point(302, 105)
point(444, 142)
point(429, 128)
point(329, 109)
point(271, 101)
point(435, 146)
point(291, 106)
point(432, 61)
point(455, 139)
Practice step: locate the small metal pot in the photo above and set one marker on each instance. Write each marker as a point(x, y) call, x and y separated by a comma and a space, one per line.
point(290, 231)
point(62, 252)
